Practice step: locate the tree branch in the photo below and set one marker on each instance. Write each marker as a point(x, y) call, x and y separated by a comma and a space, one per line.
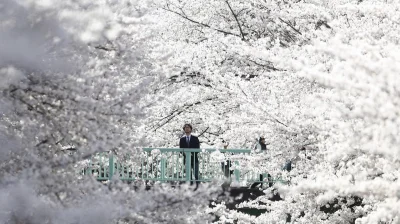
point(104, 48)
point(266, 66)
point(237, 20)
point(200, 23)
point(203, 132)
point(278, 121)
point(175, 113)
point(290, 25)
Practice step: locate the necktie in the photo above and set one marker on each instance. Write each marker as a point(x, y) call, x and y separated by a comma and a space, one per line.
point(187, 140)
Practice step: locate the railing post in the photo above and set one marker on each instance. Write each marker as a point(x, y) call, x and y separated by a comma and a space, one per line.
point(237, 172)
point(163, 166)
point(89, 168)
point(188, 165)
point(110, 166)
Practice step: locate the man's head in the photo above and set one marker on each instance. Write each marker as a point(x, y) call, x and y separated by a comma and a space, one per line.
point(262, 140)
point(187, 128)
point(225, 144)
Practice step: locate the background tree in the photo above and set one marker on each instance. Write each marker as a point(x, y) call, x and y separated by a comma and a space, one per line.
point(346, 131)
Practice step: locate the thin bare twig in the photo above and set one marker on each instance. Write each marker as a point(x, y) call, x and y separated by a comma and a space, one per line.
point(290, 25)
point(203, 132)
point(200, 23)
point(266, 66)
point(236, 18)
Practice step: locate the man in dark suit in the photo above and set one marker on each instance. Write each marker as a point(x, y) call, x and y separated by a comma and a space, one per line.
point(192, 142)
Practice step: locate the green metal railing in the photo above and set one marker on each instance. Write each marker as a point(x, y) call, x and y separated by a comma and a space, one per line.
point(167, 165)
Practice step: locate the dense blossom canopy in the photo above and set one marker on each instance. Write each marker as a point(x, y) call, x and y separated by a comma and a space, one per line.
point(317, 79)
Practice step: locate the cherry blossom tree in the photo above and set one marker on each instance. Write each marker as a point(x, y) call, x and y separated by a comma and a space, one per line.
point(359, 129)
point(217, 83)
point(74, 74)
point(321, 81)
point(316, 78)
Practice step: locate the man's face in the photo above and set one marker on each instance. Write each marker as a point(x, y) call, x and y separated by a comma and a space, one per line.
point(187, 129)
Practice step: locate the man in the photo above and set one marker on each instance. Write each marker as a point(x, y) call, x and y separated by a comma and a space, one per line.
point(192, 142)
point(227, 164)
point(261, 145)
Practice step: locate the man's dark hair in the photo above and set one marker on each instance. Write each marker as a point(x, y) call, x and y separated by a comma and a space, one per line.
point(189, 125)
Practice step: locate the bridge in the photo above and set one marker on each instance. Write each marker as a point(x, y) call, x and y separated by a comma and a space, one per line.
point(167, 165)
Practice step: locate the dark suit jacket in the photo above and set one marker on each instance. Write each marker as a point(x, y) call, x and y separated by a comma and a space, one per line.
point(193, 144)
